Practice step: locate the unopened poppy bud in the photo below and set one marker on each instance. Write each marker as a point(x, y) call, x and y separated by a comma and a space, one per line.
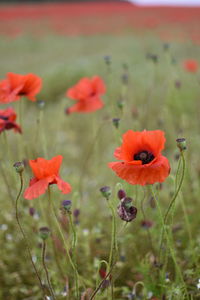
point(40, 104)
point(120, 104)
point(125, 78)
point(106, 192)
point(116, 122)
point(166, 46)
point(121, 194)
point(44, 232)
point(31, 211)
point(107, 59)
point(177, 84)
point(19, 167)
point(67, 205)
point(126, 211)
point(181, 144)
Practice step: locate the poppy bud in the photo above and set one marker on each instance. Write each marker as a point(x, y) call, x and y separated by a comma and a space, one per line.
point(116, 122)
point(166, 46)
point(107, 60)
point(121, 194)
point(44, 232)
point(67, 205)
point(31, 211)
point(124, 78)
point(120, 104)
point(19, 167)
point(126, 211)
point(146, 224)
point(40, 104)
point(181, 144)
point(106, 192)
point(177, 84)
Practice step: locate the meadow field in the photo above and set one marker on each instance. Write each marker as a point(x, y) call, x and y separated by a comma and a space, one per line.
point(131, 236)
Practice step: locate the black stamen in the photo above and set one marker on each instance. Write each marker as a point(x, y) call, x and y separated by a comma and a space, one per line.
point(4, 118)
point(145, 156)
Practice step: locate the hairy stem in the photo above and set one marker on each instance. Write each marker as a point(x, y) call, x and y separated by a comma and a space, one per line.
point(46, 270)
point(24, 235)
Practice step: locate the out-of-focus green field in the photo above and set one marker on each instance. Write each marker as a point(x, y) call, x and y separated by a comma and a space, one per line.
point(87, 142)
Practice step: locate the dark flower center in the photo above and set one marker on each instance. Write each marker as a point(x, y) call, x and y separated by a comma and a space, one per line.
point(4, 118)
point(145, 156)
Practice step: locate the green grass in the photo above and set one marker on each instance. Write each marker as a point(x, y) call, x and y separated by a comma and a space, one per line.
point(151, 101)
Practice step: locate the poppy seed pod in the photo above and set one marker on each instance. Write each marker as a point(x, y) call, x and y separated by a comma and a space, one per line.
point(106, 192)
point(116, 122)
point(44, 232)
point(181, 144)
point(126, 211)
point(67, 205)
point(19, 167)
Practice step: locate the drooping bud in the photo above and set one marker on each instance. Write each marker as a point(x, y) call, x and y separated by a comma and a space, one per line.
point(66, 204)
point(106, 192)
point(44, 232)
point(19, 167)
point(116, 122)
point(126, 211)
point(121, 194)
point(181, 144)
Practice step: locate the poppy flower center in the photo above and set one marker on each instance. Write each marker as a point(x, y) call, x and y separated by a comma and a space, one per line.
point(4, 118)
point(145, 156)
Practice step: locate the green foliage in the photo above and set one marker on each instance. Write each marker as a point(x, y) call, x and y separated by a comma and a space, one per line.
point(151, 101)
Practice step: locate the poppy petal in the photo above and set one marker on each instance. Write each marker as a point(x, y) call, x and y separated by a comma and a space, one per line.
point(63, 186)
point(98, 85)
point(142, 174)
point(36, 188)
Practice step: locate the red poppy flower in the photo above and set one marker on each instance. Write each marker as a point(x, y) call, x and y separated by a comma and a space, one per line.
point(45, 172)
point(87, 94)
point(191, 65)
point(141, 159)
point(16, 86)
point(7, 120)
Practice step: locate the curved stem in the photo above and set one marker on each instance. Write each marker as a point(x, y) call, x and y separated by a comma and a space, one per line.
point(46, 270)
point(24, 235)
point(178, 189)
point(100, 284)
point(65, 245)
point(169, 242)
point(174, 197)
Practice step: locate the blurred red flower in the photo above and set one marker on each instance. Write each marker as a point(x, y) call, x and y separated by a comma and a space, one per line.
point(191, 65)
point(45, 172)
point(7, 120)
point(16, 86)
point(87, 94)
point(141, 159)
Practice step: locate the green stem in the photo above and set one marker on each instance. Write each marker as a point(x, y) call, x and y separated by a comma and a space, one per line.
point(174, 197)
point(147, 230)
point(169, 242)
point(74, 241)
point(178, 189)
point(24, 235)
point(65, 245)
point(113, 249)
point(46, 270)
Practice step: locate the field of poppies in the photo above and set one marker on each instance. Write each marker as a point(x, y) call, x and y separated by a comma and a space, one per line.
point(99, 160)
